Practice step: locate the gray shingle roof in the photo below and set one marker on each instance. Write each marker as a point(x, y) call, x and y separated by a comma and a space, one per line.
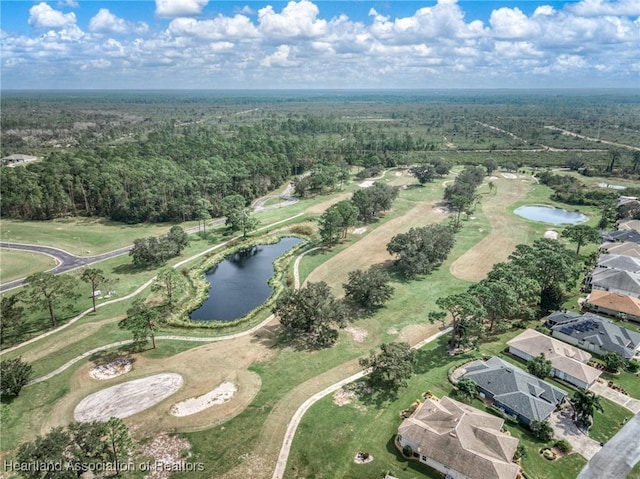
point(522, 392)
point(598, 330)
point(625, 235)
point(616, 281)
point(619, 262)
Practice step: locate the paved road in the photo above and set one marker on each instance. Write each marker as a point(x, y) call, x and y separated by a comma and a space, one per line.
point(68, 261)
point(618, 456)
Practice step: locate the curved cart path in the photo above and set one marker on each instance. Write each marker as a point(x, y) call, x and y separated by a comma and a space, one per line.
point(105, 347)
point(69, 261)
point(137, 291)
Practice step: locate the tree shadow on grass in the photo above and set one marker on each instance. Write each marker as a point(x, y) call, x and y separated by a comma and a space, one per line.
point(105, 357)
point(133, 268)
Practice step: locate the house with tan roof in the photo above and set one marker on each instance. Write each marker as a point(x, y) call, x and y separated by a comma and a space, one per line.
point(569, 363)
point(627, 249)
point(459, 441)
point(613, 304)
point(629, 225)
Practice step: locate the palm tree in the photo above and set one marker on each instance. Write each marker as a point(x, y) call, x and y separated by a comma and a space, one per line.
point(491, 186)
point(585, 403)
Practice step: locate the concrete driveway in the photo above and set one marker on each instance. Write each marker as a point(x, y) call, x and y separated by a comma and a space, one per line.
point(617, 397)
point(564, 428)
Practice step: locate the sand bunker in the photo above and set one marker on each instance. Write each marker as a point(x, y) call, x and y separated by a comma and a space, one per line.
point(127, 399)
point(359, 231)
point(551, 234)
point(219, 395)
point(366, 184)
point(509, 176)
point(115, 368)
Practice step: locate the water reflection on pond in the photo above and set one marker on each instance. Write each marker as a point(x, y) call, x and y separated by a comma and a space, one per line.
point(550, 215)
point(240, 282)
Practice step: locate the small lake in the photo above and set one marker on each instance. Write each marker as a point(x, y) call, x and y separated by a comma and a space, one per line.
point(239, 282)
point(553, 216)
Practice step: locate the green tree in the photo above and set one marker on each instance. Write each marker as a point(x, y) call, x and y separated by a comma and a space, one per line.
point(231, 203)
point(540, 366)
point(330, 226)
point(460, 204)
point(390, 368)
point(242, 220)
point(142, 320)
point(178, 238)
point(49, 449)
point(310, 315)
point(423, 173)
point(541, 430)
point(421, 250)
point(362, 201)
point(94, 277)
point(168, 282)
point(549, 263)
point(499, 299)
point(51, 292)
point(581, 234)
point(467, 389)
point(614, 155)
point(585, 403)
point(467, 313)
point(613, 361)
point(118, 439)
point(203, 213)
point(14, 375)
point(490, 165)
point(368, 289)
point(11, 314)
point(348, 215)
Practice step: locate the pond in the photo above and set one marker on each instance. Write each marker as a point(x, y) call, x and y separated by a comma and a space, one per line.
point(240, 282)
point(550, 215)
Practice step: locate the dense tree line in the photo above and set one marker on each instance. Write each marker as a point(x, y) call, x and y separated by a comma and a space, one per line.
point(461, 194)
point(533, 282)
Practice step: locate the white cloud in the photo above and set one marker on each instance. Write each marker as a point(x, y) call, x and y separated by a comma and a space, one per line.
point(512, 23)
point(179, 8)
point(107, 22)
point(43, 16)
point(279, 58)
point(588, 8)
point(220, 28)
point(100, 64)
point(297, 20)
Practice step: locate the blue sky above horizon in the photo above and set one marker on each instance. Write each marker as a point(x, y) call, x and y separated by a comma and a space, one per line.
point(214, 44)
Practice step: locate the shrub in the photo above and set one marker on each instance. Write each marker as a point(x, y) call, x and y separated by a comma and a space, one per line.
point(521, 451)
point(541, 430)
point(302, 229)
point(563, 445)
point(633, 366)
point(407, 451)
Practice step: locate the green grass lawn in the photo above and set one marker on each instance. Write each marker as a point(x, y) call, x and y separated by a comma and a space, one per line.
point(81, 236)
point(330, 435)
point(16, 264)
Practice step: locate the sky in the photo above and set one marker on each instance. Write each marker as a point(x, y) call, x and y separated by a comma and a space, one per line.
point(315, 44)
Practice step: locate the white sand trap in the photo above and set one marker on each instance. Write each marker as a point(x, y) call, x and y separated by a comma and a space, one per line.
point(219, 395)
point(366, 184)
point(113, 369)
point(509, 176)
point(493, 177)
point(127, 399)
point(552, 234)
point(398, 173)
point(359, 231)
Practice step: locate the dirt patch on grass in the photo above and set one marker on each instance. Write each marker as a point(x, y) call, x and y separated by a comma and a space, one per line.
point(112, 369)
point(357, 334)
point(128, 398)
point(506, 232)
point(372, 248)
point(166, 453)
point(343, 396)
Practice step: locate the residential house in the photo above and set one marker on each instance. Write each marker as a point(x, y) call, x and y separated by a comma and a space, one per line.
point(627, 249)
point(568, 363)
point(613, 304)
point(559, 316)
point(598, 335)
point(514, 391)
point(631, 236)
point(619, 262)
point(615, 281)
point(629, 225)
point(459, 441)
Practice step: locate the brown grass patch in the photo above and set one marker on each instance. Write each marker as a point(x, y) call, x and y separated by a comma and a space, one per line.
point(372, 248)
point(506, 232)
